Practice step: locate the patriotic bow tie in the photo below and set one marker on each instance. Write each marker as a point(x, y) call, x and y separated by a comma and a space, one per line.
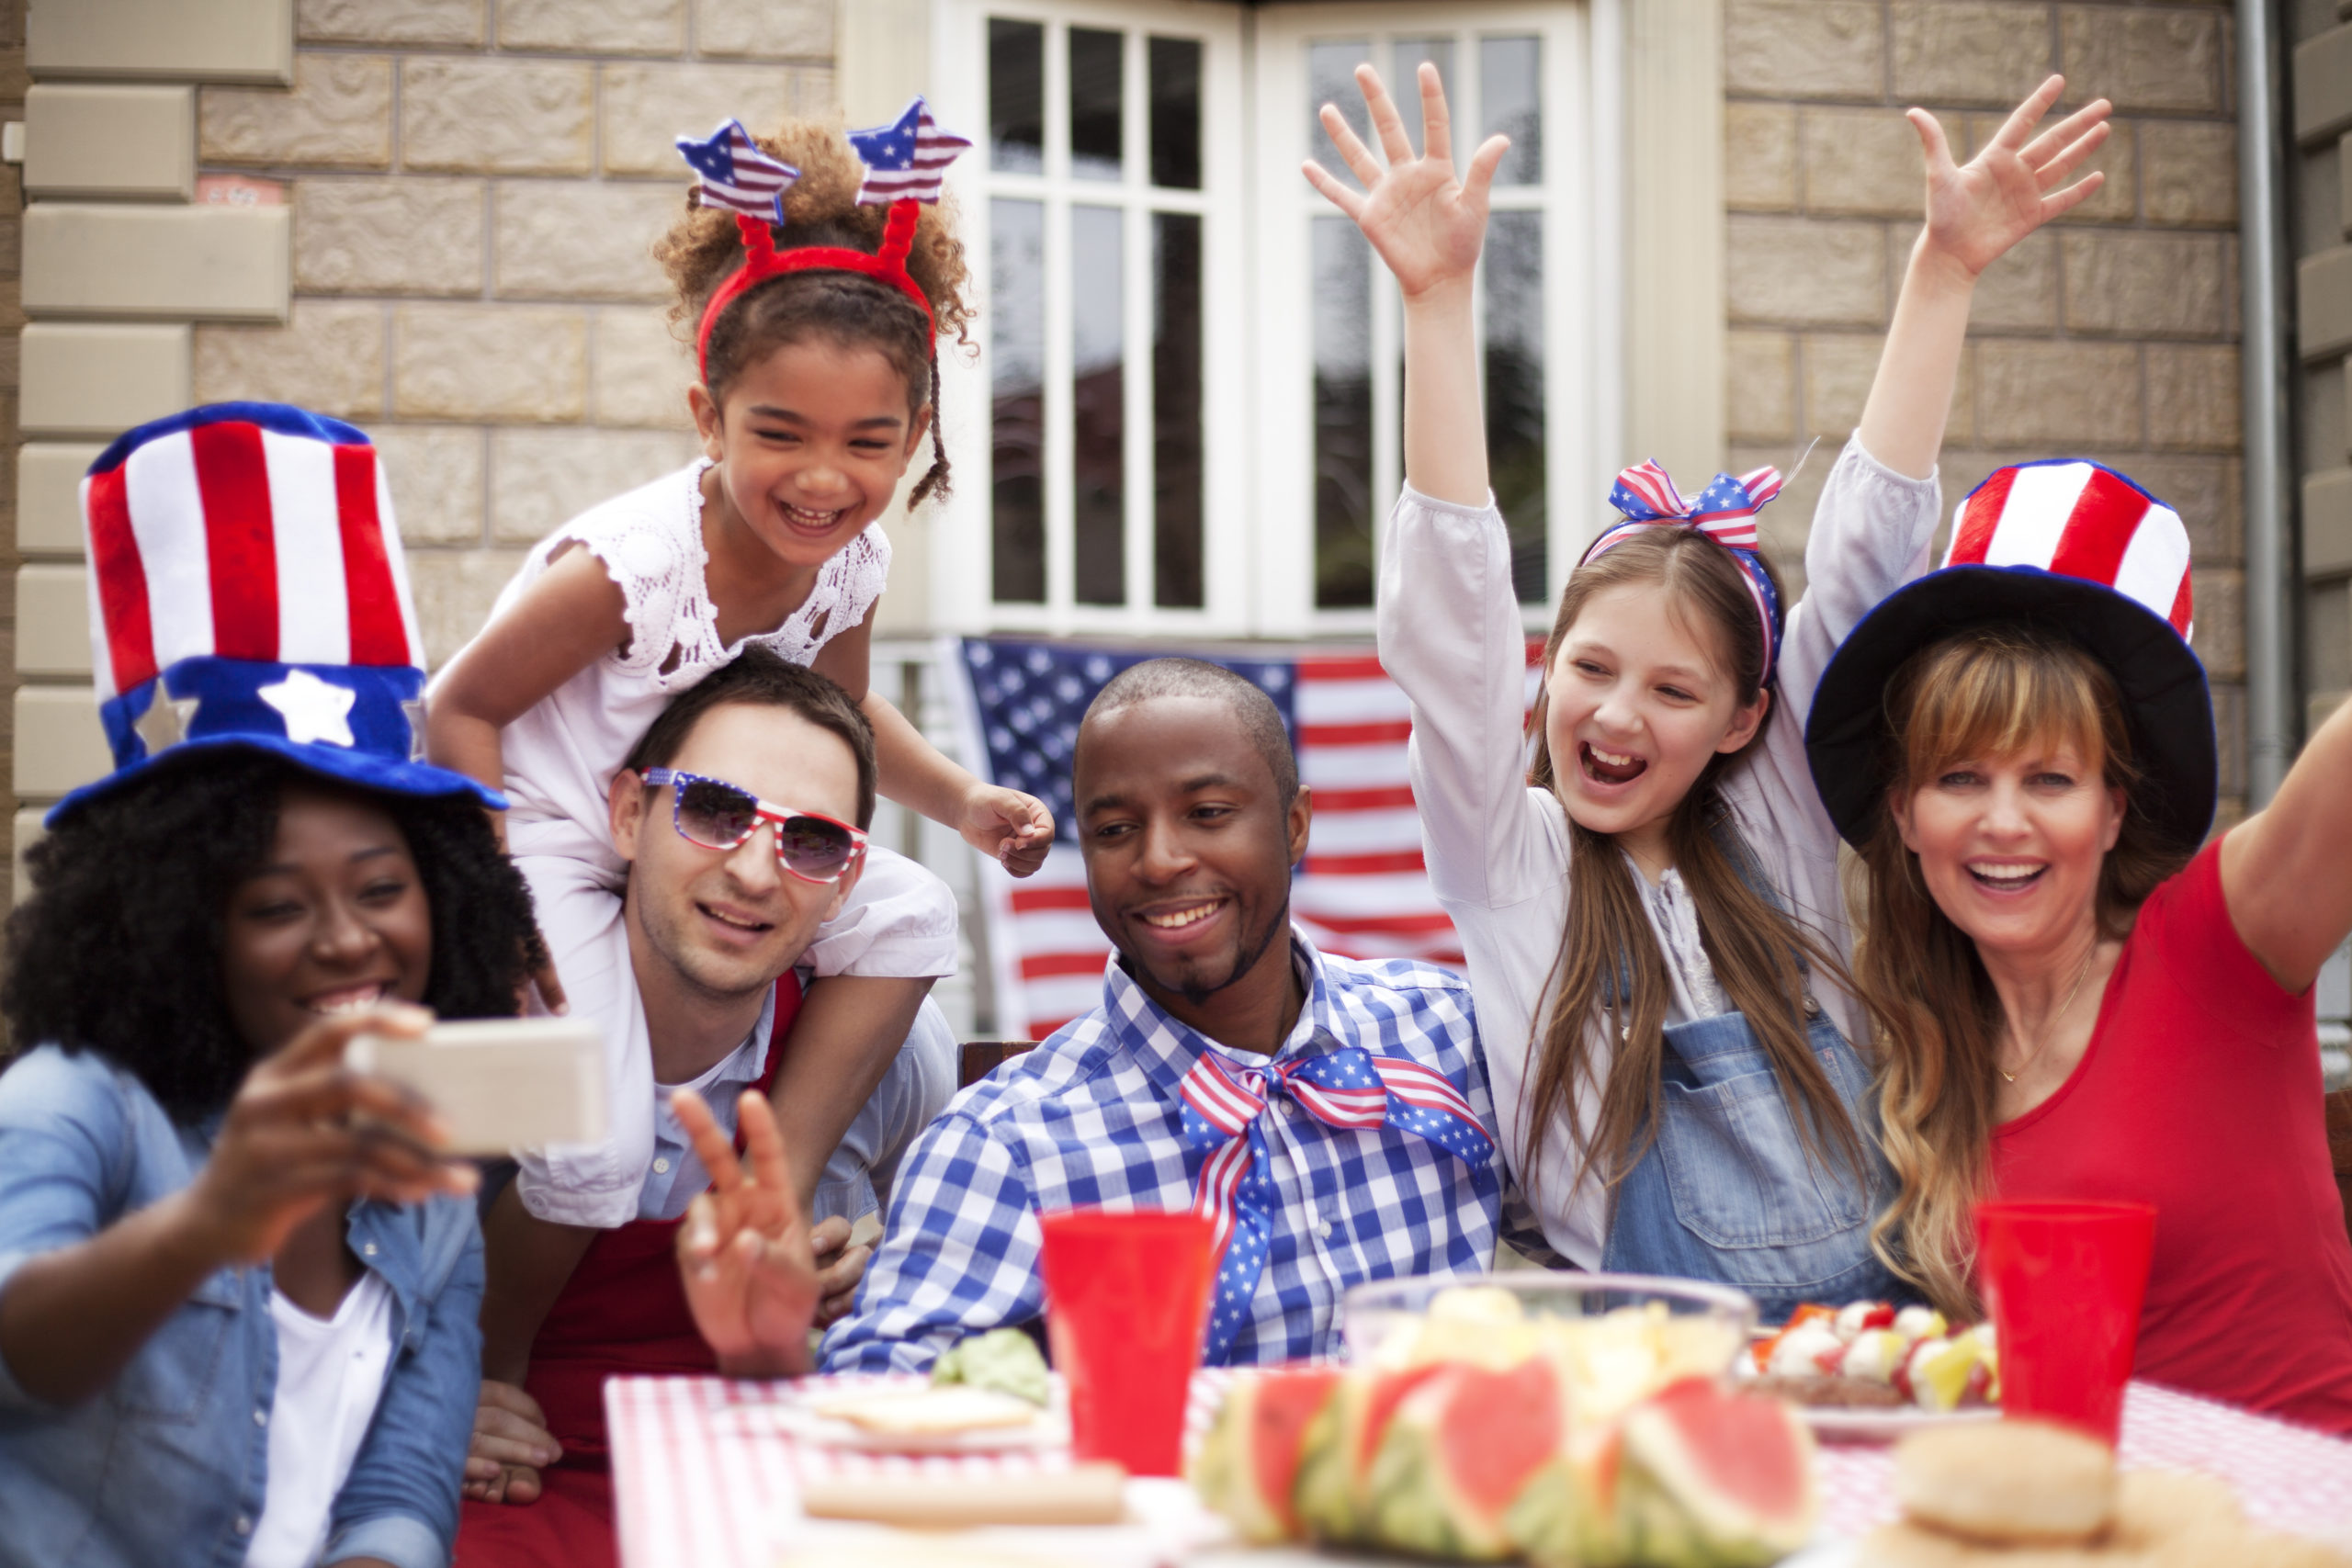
point(1725, 512)
point(1349, 1089)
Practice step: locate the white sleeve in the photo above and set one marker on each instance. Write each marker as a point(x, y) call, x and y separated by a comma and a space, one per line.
point(900, 923)
point(1450, 636)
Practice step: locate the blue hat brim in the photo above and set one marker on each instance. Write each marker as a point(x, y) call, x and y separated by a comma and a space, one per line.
point(2168, 707)
point(337, 763)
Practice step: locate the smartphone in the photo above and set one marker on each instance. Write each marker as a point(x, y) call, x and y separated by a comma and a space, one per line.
point(498, 1084)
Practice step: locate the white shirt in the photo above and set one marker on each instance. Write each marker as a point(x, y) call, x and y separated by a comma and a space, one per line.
point(1451, 634)
point(330, 1375)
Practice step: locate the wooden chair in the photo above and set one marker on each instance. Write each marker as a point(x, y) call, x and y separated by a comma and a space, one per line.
point(2339, 1146)
point(982, 1057)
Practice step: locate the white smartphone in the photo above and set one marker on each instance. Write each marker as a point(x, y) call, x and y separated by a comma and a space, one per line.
point(498, 1084)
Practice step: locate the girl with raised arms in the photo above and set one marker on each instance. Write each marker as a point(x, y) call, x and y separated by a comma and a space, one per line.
point(818, 387)
point(1651, 914)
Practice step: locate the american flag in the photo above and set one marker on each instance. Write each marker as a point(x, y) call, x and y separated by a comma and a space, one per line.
point(735, 173)
point(1362, 892)
point(906, 161)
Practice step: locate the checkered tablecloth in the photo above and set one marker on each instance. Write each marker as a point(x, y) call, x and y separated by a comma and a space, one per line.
point(703, 1469)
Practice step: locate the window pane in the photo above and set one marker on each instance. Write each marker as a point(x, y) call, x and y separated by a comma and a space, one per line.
point(1176, 410)
point(1511, 99)
point(1342, 307)
point(1515, 390)
point(1176, 113)
point(1404, 77)
point(1331, 79)
point(1017, 387)
point(1098, 365)
point(1016, 95)
point(1095, 92)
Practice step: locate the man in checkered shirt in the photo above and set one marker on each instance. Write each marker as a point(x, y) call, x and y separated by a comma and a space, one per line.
point(1229, 1063)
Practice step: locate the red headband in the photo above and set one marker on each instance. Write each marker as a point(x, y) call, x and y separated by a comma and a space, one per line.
point(763, 260)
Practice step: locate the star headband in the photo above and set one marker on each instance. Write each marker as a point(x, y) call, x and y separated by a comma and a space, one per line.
point(906, 163)
point(1725, 511)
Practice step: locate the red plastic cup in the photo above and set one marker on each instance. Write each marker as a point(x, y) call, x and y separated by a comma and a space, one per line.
point(2063, 1281)
point(1126, 1297)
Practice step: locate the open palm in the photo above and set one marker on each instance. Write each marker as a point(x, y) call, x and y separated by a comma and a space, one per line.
point(1977, 211)
point(1426, 223)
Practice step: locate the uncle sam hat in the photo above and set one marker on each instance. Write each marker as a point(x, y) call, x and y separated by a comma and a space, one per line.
point(247, 590)
point(2070, 547)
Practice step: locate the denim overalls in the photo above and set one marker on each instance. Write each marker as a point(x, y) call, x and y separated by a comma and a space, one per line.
point(1726, 1192)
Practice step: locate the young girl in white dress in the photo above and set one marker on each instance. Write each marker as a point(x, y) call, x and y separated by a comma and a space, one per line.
point(818, 387)
point(1650, 913)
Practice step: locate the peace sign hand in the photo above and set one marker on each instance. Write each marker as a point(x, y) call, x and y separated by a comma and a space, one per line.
point(1427, 224)
point(744, 1253)
point(1976, 212)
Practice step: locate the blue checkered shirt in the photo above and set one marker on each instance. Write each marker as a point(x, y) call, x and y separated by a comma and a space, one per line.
point(1092, 1117)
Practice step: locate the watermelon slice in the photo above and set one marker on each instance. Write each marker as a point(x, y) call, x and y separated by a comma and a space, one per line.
point(1714, 1479)
point(1566, 1516)
point(1248, 1461)
point(1459, 1450)
point(1332, 1491)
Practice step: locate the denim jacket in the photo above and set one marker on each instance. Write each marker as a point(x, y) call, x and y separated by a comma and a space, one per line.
point(167, 1467)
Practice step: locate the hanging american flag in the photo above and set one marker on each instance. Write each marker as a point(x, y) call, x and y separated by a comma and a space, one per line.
point(906, 161)
point(1362, 892)
point(736, 174)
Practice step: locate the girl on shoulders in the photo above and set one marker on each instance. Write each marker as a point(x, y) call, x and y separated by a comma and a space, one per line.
point(1651, 914)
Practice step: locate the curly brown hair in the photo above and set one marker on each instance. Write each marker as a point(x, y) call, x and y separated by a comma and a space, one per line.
point(703, 247)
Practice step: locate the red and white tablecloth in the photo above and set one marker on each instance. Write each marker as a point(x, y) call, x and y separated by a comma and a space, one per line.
point(703, 1469)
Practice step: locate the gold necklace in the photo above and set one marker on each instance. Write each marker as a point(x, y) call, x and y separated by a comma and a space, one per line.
point(2056, 1019)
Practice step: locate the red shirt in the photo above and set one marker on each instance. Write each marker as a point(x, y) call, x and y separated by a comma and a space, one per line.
point(2200, 1093)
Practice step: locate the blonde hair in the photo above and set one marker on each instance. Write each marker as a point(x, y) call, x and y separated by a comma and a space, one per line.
point(1989, 693)
point(1760, 954)
point(703, 247)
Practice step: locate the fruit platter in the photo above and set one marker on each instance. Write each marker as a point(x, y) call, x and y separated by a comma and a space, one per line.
point(1584, 1422)
point(1870, 1370)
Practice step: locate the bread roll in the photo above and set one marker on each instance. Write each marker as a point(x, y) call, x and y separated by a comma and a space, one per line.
point(2008, 1482)
point(2153, 1507)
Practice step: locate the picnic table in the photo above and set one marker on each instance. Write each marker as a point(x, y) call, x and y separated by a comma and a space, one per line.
point(705, 1476)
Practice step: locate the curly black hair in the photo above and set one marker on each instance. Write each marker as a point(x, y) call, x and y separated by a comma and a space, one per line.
point(120, 948)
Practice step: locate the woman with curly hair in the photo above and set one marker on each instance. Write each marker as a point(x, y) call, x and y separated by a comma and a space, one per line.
point(238, 1287)
point(817, 320)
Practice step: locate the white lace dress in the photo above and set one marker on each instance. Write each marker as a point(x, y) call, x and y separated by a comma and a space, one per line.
point(560, 756)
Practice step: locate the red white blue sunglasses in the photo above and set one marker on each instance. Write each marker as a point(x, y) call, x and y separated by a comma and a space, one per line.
point(720, 816)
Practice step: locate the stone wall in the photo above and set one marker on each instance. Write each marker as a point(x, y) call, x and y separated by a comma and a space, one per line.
point(474, 196)
point(2109, 334)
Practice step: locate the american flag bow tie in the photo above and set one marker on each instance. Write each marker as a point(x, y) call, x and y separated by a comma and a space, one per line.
point(1349, 1089)
point(1726, 508)
point(736, 174)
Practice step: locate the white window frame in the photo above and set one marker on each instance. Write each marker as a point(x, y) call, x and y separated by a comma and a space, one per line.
point(1256, 374)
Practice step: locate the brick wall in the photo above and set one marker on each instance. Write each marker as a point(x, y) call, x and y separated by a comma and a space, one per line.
point(474, 196)
point(2109, 334)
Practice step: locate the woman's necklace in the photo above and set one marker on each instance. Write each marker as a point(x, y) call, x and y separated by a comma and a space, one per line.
point(2056, 1019)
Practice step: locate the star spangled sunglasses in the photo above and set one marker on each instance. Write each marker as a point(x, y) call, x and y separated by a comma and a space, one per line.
point(720, 816)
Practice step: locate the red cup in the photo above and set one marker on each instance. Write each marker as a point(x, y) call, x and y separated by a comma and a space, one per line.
point(1127, 1296)
point(2064, 1282)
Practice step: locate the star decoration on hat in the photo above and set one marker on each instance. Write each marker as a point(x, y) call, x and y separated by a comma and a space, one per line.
point(906, 160)
point(166, 721)
point(414, 711)
point(315, 710)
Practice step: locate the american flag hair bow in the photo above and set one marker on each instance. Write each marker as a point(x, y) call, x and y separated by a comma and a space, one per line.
point(906, 160)
point(1725, 512)
point(1349, 1089)
point(736, 174)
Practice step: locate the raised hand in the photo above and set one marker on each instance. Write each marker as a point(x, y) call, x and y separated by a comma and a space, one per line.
point(1977, 211)
point(1427, 224)
point(744, 1252)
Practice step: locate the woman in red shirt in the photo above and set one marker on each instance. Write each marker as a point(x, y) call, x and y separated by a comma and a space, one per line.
point(2082, 1002)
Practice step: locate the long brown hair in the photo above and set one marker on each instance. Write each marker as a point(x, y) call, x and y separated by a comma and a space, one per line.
point(705, 246)
point(1992, 691)
point(1610, 973)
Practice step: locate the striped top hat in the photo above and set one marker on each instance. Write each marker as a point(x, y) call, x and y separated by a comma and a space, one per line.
point(2067, 546)
point(247, 589)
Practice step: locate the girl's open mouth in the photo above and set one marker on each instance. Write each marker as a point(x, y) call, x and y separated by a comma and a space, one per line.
point(1608, 767)
point(2001, 878)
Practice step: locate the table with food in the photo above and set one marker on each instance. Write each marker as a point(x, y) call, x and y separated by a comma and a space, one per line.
point(1554, 1419)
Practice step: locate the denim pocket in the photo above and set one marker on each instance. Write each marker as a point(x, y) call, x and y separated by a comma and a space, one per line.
point(173, 1374)
point(1737, 1172)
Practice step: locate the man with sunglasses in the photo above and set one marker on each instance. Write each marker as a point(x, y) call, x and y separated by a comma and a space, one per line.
point(1332, 1116)
point(741, 815)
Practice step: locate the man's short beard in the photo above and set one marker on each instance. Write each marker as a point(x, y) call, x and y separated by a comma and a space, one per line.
point(1195, 995)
